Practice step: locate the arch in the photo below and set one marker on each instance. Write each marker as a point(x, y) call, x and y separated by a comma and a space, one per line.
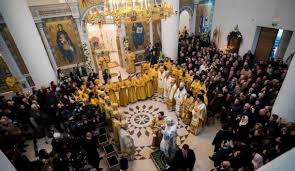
point(184, 21)
point(188, 9)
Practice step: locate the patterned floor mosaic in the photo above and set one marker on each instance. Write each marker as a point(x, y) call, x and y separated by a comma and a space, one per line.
point(140, 116)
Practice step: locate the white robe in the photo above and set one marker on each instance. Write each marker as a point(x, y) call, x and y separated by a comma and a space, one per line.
point(161, 77)
point(167, 85)
point(171, 91)
point(126, 142)
point(179, 97)
point(168, 143)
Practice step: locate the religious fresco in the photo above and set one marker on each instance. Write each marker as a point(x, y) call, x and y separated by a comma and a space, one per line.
point(138, 35)
point(85, 4)
point(63, 37)
point(204, 16)
point(13, 48)
point(4, 73)
point(157, 31)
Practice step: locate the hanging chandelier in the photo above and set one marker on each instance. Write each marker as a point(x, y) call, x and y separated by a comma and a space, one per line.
point(129, 11)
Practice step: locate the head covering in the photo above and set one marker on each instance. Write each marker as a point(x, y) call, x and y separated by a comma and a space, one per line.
point(169, 121)
point(243, 121)
point(124, 124)
point(56, 135)
point(257, 161)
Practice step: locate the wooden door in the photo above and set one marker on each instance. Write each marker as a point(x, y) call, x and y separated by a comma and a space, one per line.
point(265, 42)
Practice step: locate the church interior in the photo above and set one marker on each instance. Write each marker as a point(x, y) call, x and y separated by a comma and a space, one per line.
point(147, 85)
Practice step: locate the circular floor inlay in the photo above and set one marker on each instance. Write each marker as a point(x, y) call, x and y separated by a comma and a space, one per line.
point(141, 120)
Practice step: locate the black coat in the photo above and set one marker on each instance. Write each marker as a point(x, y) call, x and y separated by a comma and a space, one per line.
point(219, 137)
point(184, 163)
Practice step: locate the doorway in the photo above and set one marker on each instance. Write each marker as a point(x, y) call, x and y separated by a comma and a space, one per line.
point(103, 41)
point(184, 21)
point(271, 43)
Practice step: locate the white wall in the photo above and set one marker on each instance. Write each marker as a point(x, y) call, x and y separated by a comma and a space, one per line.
point(251, 13)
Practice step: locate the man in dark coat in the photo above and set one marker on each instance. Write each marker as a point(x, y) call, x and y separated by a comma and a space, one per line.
point(185, 158)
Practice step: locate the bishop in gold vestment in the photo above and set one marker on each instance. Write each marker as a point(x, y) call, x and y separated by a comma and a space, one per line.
point(130, 58)
point(199, 114)
point(157, 122)
point(123, 97)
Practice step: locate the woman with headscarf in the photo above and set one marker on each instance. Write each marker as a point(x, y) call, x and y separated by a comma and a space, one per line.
point(243, 129)
point(257, 161)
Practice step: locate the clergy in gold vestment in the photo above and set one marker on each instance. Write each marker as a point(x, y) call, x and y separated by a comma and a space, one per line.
point(161, 80)
point(199, 114)
point(140, 88)
point(148, 79)
point(103, 62)
point(157, 122)
point(101, 102)
point(130, 84)
point(170, 101)
point(108, 110)
point(123, 97)
point(111, 89)
point(154, 73)
point(130, 58)
point(195, 86)
point(116, 125)
point(186, 108)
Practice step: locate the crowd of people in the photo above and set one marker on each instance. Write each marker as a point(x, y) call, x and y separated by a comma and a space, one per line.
point(242, 92)
point(203, 82)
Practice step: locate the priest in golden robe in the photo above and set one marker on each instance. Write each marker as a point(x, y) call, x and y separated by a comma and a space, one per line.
point(148, 79)
point(161, 80)
point(116, 126)
point(123, 97)
point(130, 83)
point(195, 86)
point(108, 110)
point(103, 62)
point(140, 87)
point(130, 58)
point(199, 114)
point(170, 101)
point(156, 125)
point(154, 73)
point(111, 89)
point(186, 108)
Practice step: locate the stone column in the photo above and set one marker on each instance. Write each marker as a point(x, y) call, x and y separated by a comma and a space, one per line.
point(169, 33)
point(284, 104)
point(19, 20)
point(151, 32)
point(84, 40)
point(193, 24)
point(11, 63)
point(47, 46)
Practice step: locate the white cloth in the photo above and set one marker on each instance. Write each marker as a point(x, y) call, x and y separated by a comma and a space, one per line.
point(168, 143)
point(167, 85)
point(161, 79)
point(172, 91)
point(126, 141)
point(179, 97)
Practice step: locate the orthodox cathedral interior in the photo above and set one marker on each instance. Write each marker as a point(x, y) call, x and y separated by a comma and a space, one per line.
point(147, 85)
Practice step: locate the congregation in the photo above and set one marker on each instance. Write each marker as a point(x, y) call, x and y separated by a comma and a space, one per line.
point(203, 83)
